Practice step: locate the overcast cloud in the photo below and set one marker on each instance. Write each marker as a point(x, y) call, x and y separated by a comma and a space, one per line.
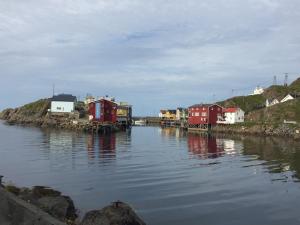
point(154, 54)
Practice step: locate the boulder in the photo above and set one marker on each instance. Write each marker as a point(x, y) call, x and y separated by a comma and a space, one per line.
point(61, 207)
point(118, 213)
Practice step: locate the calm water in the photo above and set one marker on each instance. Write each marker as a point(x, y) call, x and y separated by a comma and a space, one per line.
point(170, 177)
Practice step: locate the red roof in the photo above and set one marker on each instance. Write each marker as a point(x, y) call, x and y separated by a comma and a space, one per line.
point(231, 110)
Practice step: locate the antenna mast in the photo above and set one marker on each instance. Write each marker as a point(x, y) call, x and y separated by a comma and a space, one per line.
point(53, 90)
point(286, 79)
point(275, 80)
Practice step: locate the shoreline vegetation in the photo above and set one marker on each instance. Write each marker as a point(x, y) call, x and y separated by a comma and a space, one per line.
point(45, 206)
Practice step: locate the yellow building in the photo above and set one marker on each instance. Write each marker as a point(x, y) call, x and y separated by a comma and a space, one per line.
point(168, 114)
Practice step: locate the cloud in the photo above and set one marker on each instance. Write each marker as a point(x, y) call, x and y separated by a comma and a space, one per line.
point(152, 53)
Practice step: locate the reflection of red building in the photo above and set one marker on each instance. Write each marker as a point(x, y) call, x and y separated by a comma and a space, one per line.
point(102, 146)
point(90, 146)
point(107, 142)
point(103, 110)
point(204, 146)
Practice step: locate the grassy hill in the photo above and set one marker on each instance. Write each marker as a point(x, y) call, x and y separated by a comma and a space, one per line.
point(246, 103)
point(257, 102)
point(289, 110)
point(35, 109)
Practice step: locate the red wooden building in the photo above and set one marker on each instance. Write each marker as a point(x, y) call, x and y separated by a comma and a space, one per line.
point(204, 114)
point(103, 110)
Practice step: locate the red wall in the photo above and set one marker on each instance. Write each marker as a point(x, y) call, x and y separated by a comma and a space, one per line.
point(108, 111)
point(210, 118)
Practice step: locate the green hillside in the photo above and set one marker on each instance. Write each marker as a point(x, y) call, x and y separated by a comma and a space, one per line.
point(35, 109)
point(256, 102)
point(246, 103)
point(289, 110)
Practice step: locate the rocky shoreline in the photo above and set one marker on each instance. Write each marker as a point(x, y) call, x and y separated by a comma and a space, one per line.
point(45, 206)
point(281, 130)
point(62, 121)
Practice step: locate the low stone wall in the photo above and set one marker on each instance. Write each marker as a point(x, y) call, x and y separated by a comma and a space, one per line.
point(15, 211)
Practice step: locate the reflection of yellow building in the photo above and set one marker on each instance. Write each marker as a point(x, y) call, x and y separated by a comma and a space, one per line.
point(167, 114)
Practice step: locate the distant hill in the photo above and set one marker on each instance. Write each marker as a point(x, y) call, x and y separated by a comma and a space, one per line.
point(255, 102)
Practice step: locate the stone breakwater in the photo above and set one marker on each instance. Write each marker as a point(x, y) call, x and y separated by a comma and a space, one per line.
point(45, 206)
point(283, 130)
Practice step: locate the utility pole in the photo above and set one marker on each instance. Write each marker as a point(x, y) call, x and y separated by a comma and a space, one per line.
point(286, 79)
point(275, 80)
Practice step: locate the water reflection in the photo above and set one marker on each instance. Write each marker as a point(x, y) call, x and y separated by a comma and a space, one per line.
point(278, 155)
point(205, 146)
point(62, 144)
point(161, 174)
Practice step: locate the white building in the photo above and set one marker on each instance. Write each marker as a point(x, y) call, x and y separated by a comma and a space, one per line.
point(63, 103)
point(258, 91)
point(270, 102)
point(234, 115)
point(287, 98)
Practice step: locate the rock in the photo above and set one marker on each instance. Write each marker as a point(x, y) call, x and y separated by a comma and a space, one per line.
point(118, 213)
point(51, 201)
point(61, 207)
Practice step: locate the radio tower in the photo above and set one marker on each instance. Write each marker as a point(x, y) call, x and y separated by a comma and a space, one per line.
point(286, 79)
point(274, 80)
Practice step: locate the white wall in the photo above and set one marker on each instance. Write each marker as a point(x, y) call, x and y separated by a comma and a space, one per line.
point(287, 98)
point(235, 117)
point(62, 106)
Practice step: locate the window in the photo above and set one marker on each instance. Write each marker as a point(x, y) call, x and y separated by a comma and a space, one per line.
point(196, 114)
point(203, 114)
point(58, 108)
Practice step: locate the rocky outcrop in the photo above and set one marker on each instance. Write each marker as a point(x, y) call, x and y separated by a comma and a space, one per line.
point(44, 206)
point(51, 201)
point(118, 213)
point(16, 211)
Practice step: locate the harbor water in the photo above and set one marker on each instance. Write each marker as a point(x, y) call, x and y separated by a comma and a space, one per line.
point(170, 177)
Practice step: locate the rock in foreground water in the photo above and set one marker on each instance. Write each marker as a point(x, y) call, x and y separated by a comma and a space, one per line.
point(118, 213)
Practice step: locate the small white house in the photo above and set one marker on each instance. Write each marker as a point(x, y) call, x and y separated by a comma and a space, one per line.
point(258, 91)
point(63, 103)
point(287, 98)
point(270, 102)
point(234, 115)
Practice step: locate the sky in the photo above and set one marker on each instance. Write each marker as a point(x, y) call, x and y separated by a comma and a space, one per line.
point(153, 54)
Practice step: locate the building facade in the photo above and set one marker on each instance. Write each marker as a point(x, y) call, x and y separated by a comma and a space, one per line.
point(287, 98)
point(258, 91)
point(103, 111)
point(234, 115)
point(270, 102)
point(181, 114)
point(63, 103)
point(124, 113)
point(168, 114)
point(204, 114)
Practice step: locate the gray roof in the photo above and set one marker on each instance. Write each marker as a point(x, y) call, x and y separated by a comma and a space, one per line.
point(200, 105)
point(64, 98)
